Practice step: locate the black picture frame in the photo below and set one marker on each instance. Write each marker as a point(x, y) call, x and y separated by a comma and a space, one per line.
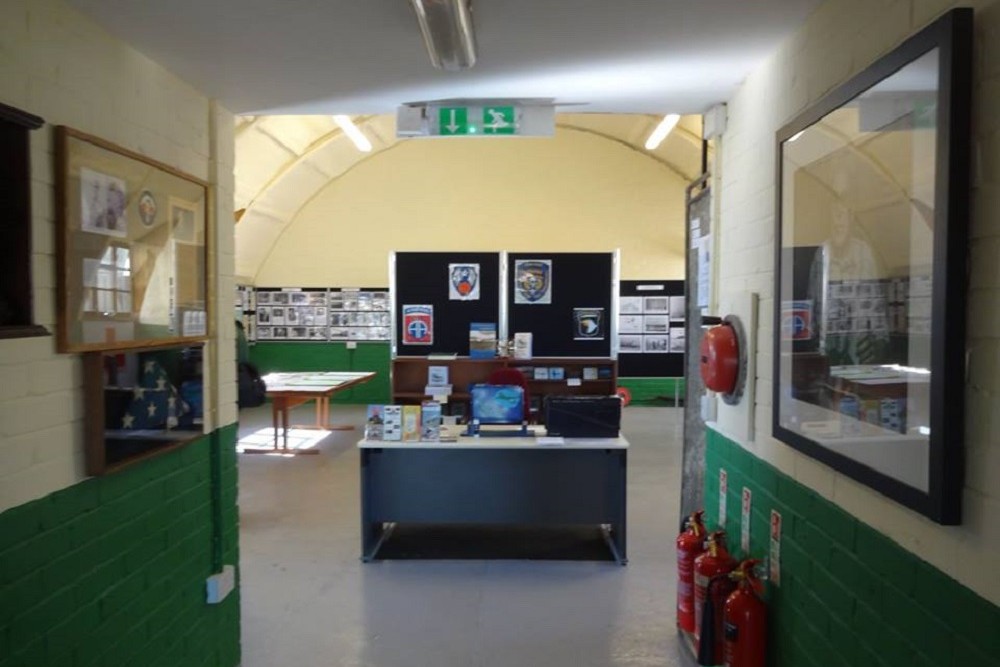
point(952, 35)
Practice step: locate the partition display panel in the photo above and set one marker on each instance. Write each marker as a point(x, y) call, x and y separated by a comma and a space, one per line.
point(438, 296)
point(565, 300)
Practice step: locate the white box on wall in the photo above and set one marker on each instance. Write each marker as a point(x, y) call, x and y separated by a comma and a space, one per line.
point(738, 420)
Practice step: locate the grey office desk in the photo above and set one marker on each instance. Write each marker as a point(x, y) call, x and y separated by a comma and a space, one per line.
point(493, 481)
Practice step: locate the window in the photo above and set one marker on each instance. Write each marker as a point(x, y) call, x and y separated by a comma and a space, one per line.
point(108, 282)
point(16, 315)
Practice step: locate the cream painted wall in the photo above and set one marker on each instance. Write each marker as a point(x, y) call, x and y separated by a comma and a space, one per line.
point(59, 65)
point(841, 38)
point(575, 192)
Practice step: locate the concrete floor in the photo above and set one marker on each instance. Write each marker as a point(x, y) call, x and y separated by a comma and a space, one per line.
point(308, 600)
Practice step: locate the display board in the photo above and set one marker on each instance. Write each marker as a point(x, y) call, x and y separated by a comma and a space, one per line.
point(437, 295)
point(651, 333)
point(565, 300)
point(320, 314)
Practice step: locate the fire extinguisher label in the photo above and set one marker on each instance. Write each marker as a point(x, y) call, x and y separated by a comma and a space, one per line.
point(685, 566)
point(700, 588)
point(745, 521)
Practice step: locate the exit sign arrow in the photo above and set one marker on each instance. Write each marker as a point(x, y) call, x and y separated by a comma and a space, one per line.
point(453, 120)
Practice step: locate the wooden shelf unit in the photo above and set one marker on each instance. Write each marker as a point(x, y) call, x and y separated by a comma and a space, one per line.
point(409, 376)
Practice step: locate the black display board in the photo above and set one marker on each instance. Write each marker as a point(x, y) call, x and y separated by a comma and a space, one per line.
point(422, 279)
point(631, 364)
point(579, 280)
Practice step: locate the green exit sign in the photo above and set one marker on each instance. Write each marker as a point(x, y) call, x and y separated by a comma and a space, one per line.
point(453, 121)
point(498, 120)
point(476, 120)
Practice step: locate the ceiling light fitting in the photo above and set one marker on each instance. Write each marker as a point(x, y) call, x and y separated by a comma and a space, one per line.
point(359, 140)
point(448, 32)
point(665, 127)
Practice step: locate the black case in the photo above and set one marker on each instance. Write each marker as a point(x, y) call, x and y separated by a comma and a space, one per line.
point(583, 416)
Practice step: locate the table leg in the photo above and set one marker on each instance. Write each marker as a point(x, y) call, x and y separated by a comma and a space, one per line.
point(326, 420)
point(618, 528)
point(319, 413)
point(284, 425)
point(274, 419)
point(373, 533)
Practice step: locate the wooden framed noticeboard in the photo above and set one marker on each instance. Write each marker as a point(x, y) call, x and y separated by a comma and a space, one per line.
point(132, 248)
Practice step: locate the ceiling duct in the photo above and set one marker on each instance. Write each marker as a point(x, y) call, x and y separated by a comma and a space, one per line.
point(448, 32)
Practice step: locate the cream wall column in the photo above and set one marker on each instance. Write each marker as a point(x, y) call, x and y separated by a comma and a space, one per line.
point(222, 351)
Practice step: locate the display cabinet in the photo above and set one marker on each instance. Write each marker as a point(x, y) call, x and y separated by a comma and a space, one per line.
point(140, 403)
point(546, 376)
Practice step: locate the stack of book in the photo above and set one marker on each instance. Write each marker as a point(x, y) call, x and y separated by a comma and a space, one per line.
point(405, 423)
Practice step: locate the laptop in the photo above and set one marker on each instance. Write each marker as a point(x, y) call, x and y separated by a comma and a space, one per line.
point(583, 416)
point(496, 405)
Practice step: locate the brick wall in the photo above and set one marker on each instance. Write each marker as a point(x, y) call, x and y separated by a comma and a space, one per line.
point(839, 39)
point(112, 571)
point(57, 64)
point(848, 594)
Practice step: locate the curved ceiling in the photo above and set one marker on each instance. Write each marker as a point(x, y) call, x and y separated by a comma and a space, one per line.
point(367, 56)
point(282, 162)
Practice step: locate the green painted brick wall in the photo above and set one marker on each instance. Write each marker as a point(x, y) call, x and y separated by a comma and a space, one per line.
point(848, 595)
point(653, 391)
point(289, 357)
point(111, 572)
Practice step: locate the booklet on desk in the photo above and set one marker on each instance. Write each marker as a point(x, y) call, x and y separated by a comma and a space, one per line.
point(374, 424)
point(437, 376)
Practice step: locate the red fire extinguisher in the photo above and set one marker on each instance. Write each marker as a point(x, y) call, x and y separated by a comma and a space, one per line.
point(690, 545)
point(745, 620)
point(712, 564)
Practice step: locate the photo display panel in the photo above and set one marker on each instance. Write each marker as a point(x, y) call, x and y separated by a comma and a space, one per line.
point(443, 294)
point(564, 300)
point(651, 333)
point(321, 314)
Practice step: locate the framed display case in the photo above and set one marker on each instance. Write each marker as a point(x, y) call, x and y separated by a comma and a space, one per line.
point(140, 403)
point(132, 253)
point(871, 250)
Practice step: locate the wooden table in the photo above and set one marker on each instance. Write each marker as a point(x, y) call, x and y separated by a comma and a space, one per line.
point(288, 390)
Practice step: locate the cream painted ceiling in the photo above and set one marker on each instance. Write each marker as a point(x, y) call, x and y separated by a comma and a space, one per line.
point(638, 58)
point(367, 57)
point(282, 162)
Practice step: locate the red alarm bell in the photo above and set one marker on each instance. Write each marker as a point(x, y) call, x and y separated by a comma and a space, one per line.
point(720, 358)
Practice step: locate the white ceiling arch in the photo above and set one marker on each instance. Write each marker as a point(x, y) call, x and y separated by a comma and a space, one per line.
point(282, 162)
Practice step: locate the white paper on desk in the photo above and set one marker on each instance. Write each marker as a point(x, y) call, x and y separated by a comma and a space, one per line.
point(573, 382)
point(550, 441)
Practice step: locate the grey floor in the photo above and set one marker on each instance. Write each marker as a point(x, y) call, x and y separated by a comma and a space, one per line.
point(307, 599)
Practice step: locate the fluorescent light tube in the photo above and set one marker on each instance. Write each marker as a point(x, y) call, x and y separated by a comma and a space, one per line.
point(353, 133)
point(446, 26)
point(665, 127)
